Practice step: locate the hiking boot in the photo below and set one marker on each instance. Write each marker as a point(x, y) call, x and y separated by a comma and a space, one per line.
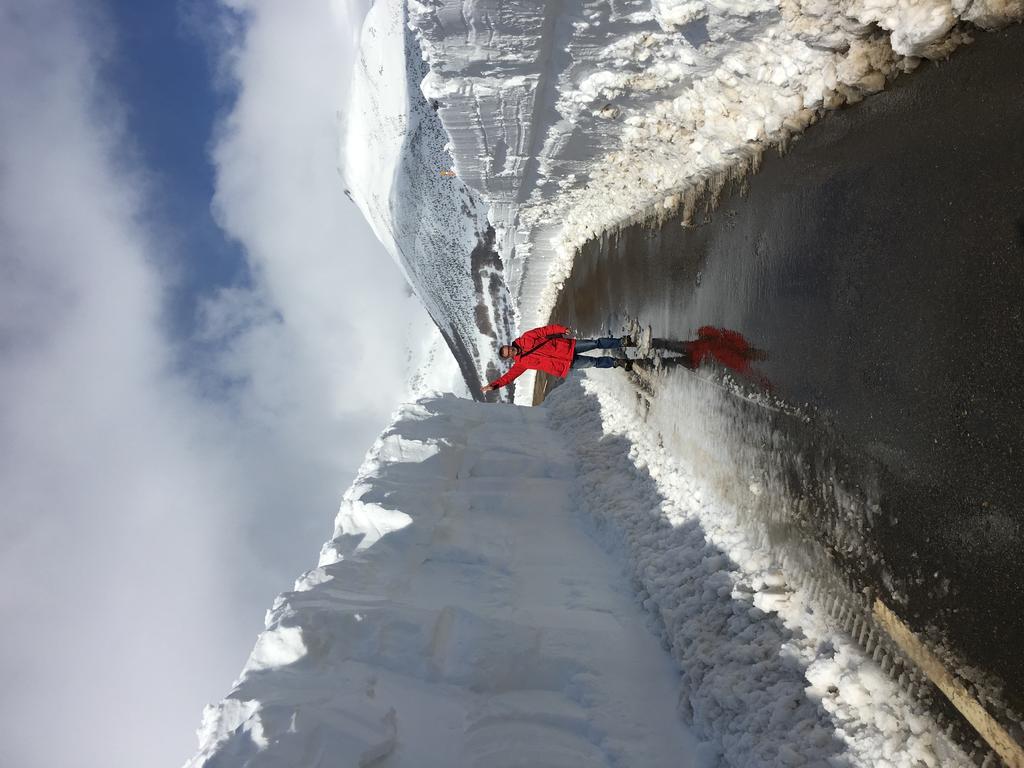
point(627, 341)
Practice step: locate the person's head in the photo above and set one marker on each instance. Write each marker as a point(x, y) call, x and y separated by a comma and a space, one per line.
point(506, 351)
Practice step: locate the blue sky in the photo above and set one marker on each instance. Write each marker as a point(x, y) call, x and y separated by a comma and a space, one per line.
point(163, 71)
point(199, 339)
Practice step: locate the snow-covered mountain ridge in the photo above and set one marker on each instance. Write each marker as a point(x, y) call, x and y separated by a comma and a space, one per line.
point(573, 117)
point(397, 171)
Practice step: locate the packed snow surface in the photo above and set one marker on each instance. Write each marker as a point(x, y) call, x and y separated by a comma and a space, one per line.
point(573, 117)
point(460, 616)
point(477, 606)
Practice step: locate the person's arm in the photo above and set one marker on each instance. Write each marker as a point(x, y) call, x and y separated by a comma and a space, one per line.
point(513, 373)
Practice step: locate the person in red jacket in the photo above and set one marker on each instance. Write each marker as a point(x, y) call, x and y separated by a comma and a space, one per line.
point(548, 349)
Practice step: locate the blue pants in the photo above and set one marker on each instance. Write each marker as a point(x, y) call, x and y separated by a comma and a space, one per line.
point(585, 345)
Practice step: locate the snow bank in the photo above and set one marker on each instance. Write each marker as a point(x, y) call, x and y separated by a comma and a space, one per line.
point(459, 616)
point(395, 165)
point(570, 118)
point(465, 613)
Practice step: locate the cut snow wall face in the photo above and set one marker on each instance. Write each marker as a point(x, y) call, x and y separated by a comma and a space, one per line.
point(571, 118)
point(397, 170)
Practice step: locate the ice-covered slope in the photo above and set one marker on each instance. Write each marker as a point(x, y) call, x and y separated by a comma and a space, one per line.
point(573, 116)
point(396, 169)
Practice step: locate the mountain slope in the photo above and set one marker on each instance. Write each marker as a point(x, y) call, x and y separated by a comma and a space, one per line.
point(396, 168)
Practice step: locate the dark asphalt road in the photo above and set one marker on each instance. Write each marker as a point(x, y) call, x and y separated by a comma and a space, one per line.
point(881, 263)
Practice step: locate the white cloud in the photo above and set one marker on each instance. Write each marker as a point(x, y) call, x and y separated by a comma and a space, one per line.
point(327, 361)
point(280, 194)
point(145, 527)
point(114, 519)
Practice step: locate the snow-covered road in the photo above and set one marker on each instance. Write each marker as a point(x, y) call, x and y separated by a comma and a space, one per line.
point(769, 675)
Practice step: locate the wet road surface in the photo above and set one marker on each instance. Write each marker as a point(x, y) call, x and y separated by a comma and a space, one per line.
point(881, 264)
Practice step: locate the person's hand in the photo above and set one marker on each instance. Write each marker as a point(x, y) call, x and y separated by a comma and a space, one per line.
point(486, 388)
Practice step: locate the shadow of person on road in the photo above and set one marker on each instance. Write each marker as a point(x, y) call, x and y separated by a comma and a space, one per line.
point(728, 348)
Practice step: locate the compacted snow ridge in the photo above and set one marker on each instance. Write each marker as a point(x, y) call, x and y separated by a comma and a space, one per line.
point(461, 615)
point(573, 117)
point(767, 674)
point(396, 168)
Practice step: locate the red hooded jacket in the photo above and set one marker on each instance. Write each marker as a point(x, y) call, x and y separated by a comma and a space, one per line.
point(542, 349)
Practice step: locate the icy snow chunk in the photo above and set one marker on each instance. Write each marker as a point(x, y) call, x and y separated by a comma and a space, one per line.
point(396, 448)
point(353, 727)
point(316, 576)
point(994, 14)
point(226, 719)
point(276, 647)
point(359, 526)
point(678, 13)
point(914, 24)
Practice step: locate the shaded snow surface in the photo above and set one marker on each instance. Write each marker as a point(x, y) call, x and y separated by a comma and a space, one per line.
point(477, 606)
